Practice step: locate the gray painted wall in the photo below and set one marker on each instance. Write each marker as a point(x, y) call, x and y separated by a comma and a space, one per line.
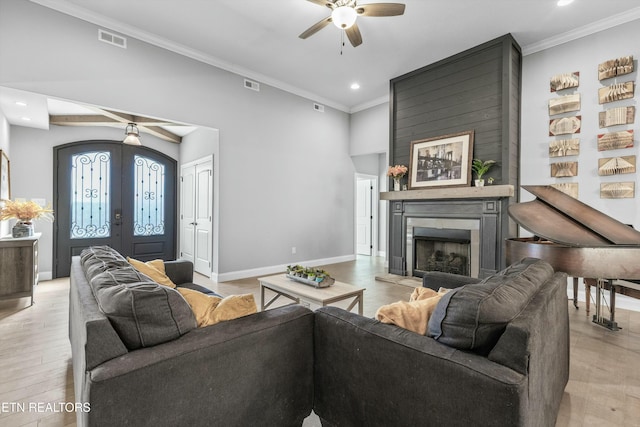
point(4, 146)
point(369, 142)
point(276, 153)
point(367, 164)
point(369, 132)
point(581, 55)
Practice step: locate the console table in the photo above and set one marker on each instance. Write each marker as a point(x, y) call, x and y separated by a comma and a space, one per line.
point(18, 266)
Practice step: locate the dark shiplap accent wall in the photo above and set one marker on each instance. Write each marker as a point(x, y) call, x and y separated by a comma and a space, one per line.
point(479, 90)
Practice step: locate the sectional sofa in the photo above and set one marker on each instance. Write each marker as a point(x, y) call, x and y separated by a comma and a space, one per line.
point(146, 363)
point(496, 354)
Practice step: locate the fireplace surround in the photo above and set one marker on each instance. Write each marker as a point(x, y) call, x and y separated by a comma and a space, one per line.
point(480, 211)
point(446, 233)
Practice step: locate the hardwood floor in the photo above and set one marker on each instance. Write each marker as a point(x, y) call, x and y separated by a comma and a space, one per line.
point(35, 356)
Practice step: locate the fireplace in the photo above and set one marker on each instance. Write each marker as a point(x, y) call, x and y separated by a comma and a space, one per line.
point(448, 251)
point(442, 244)
point(477, 212)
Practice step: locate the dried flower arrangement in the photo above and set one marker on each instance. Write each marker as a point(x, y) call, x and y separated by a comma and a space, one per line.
point(24, 211)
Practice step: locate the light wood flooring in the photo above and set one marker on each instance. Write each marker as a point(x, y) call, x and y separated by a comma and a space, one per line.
point(35, 366)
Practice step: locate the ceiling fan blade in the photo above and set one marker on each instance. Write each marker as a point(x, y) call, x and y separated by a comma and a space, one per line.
point(315, 28)
point(380, 9)
point(353, 32)
point(327, 3)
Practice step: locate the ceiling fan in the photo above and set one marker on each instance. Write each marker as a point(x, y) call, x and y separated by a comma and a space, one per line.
point(345, 12)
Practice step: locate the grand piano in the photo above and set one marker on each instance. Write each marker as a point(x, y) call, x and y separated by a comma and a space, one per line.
point(581, 241)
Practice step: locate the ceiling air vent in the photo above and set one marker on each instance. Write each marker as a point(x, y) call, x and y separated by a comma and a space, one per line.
point(249, 84)
point(318, 107)
point(113, 39)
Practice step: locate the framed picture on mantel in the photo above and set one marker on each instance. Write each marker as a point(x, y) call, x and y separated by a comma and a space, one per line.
point(443, 161)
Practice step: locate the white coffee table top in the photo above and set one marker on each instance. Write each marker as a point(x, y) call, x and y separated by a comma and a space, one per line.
point(323, 296)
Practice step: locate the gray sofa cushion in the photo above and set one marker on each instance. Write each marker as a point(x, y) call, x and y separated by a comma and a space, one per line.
point(97, 259)
point(474, 316)
point(143, 312)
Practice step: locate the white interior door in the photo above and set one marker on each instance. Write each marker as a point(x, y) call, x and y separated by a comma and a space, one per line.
point(203, 218)
point(187, 212)
point(196, 218)
point(364, 219)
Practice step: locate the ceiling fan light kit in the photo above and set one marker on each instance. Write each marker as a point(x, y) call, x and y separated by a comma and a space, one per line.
point(344, 14)
point(344, 17)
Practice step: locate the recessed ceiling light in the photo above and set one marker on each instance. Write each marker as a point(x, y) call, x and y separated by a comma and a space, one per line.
point(21, 103)
point(26, 119)
point(564, 2)
point(355, 86)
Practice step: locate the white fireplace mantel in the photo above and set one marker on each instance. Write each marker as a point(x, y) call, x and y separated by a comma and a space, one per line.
point(488, 191)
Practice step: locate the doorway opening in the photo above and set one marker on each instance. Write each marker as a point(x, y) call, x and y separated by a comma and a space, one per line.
point(109, 193)
point(366, 213)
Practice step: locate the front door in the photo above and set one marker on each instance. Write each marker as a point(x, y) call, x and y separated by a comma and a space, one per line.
point(108, 193)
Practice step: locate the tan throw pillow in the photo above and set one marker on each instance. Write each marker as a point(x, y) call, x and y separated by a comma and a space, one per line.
point(210, 310)
point(232, 307)
point(201, 304)
point(154, 269)
point(413, 315)
point(422, 293)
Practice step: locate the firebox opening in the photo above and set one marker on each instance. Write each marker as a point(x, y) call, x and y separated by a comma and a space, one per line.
point(445, 250)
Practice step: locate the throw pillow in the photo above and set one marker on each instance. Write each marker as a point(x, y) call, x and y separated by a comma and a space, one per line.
point(142, 312)
point(210, 310)
point(201, 304)
point(154, 269)
point(413, 315)
point(474, 316)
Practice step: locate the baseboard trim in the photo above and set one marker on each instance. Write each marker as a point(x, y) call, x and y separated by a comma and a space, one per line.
point(275, 269)
point(45, 275)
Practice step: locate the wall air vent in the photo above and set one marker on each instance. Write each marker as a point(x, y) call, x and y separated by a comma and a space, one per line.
point(111, 38)
point(249, 84)
point(318, 107)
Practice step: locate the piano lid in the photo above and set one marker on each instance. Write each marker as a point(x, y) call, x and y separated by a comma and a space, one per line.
point(560, 218)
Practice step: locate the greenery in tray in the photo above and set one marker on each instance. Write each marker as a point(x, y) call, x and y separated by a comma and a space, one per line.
point(309, 273)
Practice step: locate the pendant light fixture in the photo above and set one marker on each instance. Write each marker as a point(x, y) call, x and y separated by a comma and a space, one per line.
point(133, 135)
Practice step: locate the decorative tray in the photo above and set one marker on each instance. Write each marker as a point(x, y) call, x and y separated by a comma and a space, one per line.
point(325, 283)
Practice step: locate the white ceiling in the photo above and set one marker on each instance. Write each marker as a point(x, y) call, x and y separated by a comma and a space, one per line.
point(259, 39)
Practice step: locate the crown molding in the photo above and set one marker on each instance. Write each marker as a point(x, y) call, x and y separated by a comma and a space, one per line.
point(584, 31)
point(102, 21)
point(86, 15)
point(369, 104)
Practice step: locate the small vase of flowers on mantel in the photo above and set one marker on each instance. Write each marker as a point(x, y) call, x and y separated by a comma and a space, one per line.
point(397, 172)
point(24, 212)
point(481, 167)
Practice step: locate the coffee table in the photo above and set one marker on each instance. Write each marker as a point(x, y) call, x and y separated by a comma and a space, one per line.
point(297, 292)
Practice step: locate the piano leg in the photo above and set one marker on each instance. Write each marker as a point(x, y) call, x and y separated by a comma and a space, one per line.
point(588, 283)
point(599, 317)
point(575, 292)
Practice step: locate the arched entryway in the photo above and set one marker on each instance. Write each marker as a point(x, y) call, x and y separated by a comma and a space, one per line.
point(109, 193)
